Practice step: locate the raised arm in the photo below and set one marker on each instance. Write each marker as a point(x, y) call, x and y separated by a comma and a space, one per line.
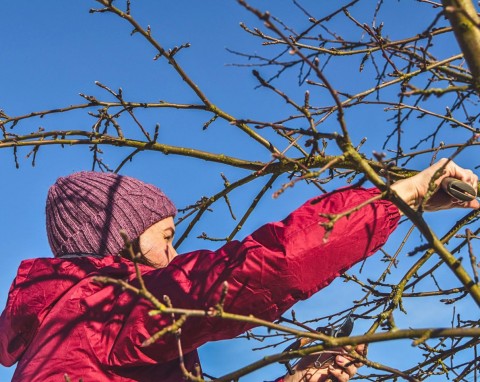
point(278, 265)
point(267, 272)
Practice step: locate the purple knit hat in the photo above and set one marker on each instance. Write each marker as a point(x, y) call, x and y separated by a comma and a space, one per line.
point(86, 211)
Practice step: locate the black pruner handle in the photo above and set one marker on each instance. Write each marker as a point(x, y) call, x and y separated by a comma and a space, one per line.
point(459, 189)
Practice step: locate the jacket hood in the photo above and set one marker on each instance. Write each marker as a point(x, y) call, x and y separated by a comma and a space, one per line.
point(39, 284)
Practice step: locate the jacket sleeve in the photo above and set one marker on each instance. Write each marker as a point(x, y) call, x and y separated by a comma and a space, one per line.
point(267, 273)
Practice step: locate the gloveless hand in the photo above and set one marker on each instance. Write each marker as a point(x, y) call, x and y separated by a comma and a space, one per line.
point(337, 365)
point(414, 189)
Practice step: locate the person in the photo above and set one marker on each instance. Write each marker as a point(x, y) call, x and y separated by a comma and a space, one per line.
point(59, 321)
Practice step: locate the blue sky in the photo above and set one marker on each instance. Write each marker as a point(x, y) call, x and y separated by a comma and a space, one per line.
point(54, 50)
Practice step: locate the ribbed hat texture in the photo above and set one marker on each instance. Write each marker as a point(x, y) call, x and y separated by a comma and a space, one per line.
point(86, 211)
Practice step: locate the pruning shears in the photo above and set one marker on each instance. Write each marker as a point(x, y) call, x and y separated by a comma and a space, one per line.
point(342, 330)
point(459, 189)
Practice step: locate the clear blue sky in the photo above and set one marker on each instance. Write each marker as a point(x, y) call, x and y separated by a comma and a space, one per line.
point(53, 50)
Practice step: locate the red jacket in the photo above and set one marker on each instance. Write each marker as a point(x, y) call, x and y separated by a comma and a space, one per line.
point(58, 321)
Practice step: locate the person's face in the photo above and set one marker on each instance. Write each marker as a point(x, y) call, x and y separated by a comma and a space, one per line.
point(156, 243)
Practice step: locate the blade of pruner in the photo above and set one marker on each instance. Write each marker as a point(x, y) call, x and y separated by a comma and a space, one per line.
point(342, 330)
point(345, 329)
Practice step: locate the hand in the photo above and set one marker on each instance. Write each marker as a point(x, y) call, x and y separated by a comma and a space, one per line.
point(414, 189)
point(336, 366)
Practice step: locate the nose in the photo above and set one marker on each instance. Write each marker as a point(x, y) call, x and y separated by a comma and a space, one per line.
point(171, 252)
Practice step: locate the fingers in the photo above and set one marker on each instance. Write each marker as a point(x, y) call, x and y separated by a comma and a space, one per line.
point(455, 171)
point(362, 349)
point(463, 174)
point(337, 365)
point(441, 200)
point(345, 366)
point(473, 204)
point(467, 176)
point(413, 190)
point(342, 374)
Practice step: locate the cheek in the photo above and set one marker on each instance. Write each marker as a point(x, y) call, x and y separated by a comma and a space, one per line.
point(159, 257)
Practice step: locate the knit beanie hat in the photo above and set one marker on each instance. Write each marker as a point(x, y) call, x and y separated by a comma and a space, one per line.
point(86, 211)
